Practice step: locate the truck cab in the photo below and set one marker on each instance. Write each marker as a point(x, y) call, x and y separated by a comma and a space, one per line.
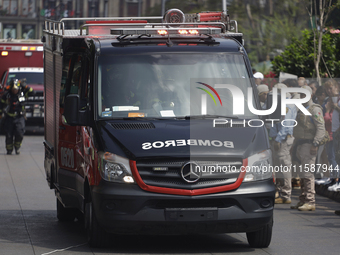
point(21, 59)
point(133, 135)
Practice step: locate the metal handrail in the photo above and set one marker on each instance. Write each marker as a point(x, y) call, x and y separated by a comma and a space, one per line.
point(155, 24)
point(111, 18)
point(236, 26)
point(60, 25)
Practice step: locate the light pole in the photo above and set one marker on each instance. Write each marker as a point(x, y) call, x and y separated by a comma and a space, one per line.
point(92, 7)
point(139, 8)
point(77, 13)
point(106, 11)
point(163, 7)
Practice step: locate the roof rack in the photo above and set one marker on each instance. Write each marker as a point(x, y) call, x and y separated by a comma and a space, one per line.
point(172, 21)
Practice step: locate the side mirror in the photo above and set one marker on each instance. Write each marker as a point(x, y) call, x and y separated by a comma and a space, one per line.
point(75, 116)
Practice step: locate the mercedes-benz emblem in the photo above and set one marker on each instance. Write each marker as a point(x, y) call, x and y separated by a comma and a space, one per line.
point(190, 172)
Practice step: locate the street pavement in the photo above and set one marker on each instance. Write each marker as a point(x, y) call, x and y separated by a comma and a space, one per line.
point(28, 223)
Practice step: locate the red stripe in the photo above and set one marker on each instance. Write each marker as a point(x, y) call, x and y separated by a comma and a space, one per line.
point(212, 90)
point(185, 192)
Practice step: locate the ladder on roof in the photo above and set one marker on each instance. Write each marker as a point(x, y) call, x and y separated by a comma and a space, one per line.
point(172, 18)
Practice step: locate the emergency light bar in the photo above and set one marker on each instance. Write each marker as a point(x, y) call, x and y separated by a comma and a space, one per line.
point(22, 48)
point(165, 31)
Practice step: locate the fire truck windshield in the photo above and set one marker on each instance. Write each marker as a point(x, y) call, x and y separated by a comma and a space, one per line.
point(31, 77)
point(170, 85)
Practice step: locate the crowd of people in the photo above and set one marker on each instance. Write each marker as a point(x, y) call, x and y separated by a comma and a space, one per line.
point(308, 144)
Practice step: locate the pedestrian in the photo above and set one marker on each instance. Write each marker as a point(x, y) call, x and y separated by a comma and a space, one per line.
point(309, 132)
point(263, 91)
point(292, 83)
point(314, 85)
point(258, 78)
point(14, 119)
point(281, 142)
point(325, 152)
point(302, 81)
point(332, 89)
point(321, 98)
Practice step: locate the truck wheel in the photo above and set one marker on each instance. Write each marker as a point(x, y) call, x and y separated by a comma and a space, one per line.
point(261, 238)
point(96, 235)
point(65, 214)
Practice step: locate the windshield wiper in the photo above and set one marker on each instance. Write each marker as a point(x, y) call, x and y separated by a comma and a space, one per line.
point(207, 116)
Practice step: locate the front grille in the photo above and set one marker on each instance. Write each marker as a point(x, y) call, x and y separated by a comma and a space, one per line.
point(34, 110)
point(167, 173)
point(133, 125)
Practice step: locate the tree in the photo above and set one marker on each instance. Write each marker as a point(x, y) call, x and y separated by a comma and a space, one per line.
point(269, 25)
point(298, 57)
point(321, 9)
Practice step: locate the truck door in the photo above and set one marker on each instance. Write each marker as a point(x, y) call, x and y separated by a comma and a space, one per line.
point(70, 143)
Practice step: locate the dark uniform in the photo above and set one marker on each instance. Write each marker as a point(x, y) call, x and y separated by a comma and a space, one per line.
point(14, 120)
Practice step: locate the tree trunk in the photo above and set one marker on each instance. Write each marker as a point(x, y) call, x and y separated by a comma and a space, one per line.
point(320, 34)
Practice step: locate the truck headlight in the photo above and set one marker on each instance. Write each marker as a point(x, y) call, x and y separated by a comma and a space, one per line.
point(259, 167)
point(114, 168)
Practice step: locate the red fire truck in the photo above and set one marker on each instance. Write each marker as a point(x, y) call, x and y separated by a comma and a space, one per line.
point(23, 59)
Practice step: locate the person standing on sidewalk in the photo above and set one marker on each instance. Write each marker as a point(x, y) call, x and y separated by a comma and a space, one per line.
point(293, 83)
point(332, 89)
point(14, 120)
point(309, 132)
point(263, 91)
point(281, 141)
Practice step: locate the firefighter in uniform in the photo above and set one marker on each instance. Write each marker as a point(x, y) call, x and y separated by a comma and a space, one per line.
point(309, 131)
point(14, 120)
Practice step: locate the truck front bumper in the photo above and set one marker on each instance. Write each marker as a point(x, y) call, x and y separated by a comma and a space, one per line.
point(125, 208)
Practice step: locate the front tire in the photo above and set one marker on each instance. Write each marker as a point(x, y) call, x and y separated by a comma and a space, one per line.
point(262, 237)
point(96, 235)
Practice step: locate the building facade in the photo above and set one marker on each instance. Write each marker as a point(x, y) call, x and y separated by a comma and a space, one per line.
point(24, 19)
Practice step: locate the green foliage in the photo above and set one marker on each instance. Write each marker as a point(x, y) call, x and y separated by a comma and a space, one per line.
point(298, 57)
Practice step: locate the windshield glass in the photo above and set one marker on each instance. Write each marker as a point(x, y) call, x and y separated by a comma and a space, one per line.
point(31, 77)
point(171, 85)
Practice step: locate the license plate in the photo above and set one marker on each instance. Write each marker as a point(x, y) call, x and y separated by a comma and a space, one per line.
point(191, 214)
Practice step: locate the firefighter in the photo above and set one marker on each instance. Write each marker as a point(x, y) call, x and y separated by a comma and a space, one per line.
point(13, 110)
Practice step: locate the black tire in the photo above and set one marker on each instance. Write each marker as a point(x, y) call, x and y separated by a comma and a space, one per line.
point(261, 238)
point(96, 235)
point(65, 214)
